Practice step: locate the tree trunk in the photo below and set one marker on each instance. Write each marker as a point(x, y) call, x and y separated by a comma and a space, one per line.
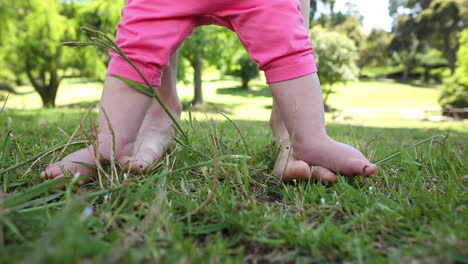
point(450, 53)
point(49, 94)
point(452, 64)
point(245, 83)
point(45, 87)
point(406, 71)
point(197, 65)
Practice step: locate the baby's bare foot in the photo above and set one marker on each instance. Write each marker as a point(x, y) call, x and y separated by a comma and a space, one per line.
point(335, 156)
point(288, 168)
point(153, 139)
point(71, 163)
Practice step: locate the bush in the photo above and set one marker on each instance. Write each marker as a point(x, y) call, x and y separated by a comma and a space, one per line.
point(455, 91)
point(246, 69)
point(336, 56)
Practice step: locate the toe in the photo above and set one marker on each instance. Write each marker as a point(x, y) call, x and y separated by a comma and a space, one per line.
point(359, 167)
point(322, 174)
point(296, 170)
point(51, 172)
point(370, 170)
point(131, 165)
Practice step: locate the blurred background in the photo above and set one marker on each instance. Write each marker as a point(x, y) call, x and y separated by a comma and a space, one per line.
point(395, 59)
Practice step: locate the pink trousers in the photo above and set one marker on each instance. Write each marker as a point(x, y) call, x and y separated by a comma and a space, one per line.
point(272, 31)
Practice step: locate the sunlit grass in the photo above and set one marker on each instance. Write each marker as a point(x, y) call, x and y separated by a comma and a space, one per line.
point(199, 208)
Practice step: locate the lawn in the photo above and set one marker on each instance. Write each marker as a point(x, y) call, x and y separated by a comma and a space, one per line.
point(215, 201)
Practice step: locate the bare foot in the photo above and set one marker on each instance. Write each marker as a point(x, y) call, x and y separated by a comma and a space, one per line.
point(300, 105)
point(335, 156)
point(287, 167)
point(85, 155)
point(153, 138)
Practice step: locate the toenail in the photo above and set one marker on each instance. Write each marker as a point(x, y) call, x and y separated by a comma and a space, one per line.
point(364, 169)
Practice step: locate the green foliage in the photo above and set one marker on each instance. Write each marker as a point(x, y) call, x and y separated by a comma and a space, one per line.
point(33, 49)
point(336, 57)
point(201, 49)
point(455, 91)
point(38, 48)
point(246, 69)
point(374, 50)
point(427, 24)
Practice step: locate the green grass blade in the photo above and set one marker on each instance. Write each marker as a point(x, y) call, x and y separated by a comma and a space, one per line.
point(77, 44)
point(6, 148)
point(25, 196)
point(25, 162)
point(406, 149)
point(92, 166)
point(138, 86)
point(238, 131)
point(12, 228)
point(39, 201)
point(4, 103)
point(80, 198)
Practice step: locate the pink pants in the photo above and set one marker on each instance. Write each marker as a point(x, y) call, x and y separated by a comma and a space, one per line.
point(272, 31)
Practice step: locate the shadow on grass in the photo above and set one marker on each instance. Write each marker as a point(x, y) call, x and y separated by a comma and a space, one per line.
point(209, 107)
point(79, 80)
point(414, 83)
point(80, 105)
point(253, 91)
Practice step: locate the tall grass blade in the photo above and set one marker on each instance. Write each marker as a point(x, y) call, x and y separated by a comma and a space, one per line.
point(77, 44)
point(238, 131)
point(13, 228)
point(25, 196)
point(408, 148)
point(25, 162)
point(6, 148)
point(138, 86)
point(4, 103)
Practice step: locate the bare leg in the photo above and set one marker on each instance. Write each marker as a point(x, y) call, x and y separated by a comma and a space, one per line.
point(300, 103)
point(287, 167)
point(153, 137)
point(155, 134)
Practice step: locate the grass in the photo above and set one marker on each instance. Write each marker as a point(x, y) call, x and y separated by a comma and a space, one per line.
point(198, 207)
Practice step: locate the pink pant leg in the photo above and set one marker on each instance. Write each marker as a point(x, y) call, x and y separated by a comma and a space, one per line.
point(149, 33)
point(274, 35)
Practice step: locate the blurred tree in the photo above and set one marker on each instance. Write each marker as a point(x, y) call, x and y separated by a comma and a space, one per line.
point(244, 68)
point(374, 50)
point(102, 15)
point(352, 28)
point(9, 10)
point(336, 57)
point(405, 44)
point(37, 49)
point(34, 48)
point(455, 91)
point(437, 23)
point(200, 48)
point(429, 60)
point(440, 25)
point(314, 7)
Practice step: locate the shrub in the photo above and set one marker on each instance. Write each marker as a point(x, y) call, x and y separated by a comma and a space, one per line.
point(336, 57)
point(455, 91)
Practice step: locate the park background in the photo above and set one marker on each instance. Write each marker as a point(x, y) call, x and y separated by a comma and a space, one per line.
point(385, 89)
